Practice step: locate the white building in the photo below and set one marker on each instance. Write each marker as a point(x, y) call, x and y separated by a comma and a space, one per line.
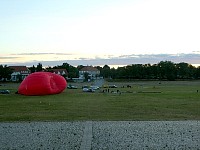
point(19, 73)
point(62, 72)
point(93, 73)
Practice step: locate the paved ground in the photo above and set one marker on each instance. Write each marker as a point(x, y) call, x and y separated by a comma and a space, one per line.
point(101, 135)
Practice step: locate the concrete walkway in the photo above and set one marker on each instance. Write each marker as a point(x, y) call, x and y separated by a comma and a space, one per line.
point(87, 137)
point(102, 135)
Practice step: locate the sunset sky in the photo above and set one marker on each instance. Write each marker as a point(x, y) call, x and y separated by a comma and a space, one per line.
point(97, 32)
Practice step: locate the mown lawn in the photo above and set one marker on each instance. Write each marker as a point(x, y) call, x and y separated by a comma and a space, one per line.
point(146, 100)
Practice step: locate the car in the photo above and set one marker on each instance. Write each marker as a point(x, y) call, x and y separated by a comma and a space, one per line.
point(72, 87)
point(94, 87)
point(85, 86)
point(88, 90)
point(4, 92)
point(112, 86)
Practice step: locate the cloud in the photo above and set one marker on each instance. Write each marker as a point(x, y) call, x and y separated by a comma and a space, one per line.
point(129, 56)
point(196, 52)
point(8, 57)
point(84, 58)
point(121, 60)
point(43, 54)
point(140, 59)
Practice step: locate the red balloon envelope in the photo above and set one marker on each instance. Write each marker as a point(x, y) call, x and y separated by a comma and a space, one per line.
point(42, 83)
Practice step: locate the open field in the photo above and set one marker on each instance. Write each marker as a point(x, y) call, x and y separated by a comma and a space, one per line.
point(146, 100)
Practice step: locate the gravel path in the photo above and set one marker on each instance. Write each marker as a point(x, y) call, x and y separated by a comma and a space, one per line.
point(97, 135)
point(146, 135)
point(41, 135)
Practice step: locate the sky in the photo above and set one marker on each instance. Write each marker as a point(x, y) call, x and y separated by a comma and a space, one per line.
point(97, 32)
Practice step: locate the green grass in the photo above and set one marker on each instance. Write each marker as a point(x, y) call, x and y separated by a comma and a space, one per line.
point(176, 101)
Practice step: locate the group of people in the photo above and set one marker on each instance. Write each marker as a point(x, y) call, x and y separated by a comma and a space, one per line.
point(111, 91)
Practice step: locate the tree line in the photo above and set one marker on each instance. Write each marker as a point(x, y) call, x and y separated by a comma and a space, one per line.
point(164, 70)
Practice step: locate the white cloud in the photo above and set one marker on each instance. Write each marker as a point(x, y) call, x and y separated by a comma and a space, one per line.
point(113, 61)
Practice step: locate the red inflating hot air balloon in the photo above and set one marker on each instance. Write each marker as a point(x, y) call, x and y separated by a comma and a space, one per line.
point(42, 83)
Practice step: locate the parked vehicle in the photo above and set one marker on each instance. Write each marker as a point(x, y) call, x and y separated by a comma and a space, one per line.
point(112, 86)
point(85, 86)
point(4, 92)
point(88, 90)
point(72, 87)
point(94, 87)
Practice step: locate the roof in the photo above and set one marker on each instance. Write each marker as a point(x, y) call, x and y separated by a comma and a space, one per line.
point(59, 70)
point(89, 68)
point(19, 68)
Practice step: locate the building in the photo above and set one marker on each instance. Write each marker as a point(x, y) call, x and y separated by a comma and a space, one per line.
point(92, 72)
point(19, 73)
point(62, 72)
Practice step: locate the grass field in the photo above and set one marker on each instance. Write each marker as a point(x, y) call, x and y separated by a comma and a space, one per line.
point(146, 100)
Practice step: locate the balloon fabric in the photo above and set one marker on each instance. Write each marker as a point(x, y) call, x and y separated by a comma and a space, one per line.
point(42, 83)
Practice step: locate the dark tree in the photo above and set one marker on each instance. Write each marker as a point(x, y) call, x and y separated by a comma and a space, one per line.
point(39, 67)
point(79, 67)
point(121, 72)
point(198, 73)
point(113, 73)
point(32, 69)
point(182, 70)
point(106, 71)
point(86, 76)
point(72, 71)
point(167, 70)
point(5, 72)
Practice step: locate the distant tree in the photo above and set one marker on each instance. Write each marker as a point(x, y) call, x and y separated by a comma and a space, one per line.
point(106, 71)
point(198, 73)
point(79, 67)
point(154, 71)
point(182, 70)
point(39, 67)
point(113, 73)
point(121, 73)
point(147, 71)
point(32, 69)
point(129, 73)
point(98, 67)
point(19, 77)
point(5, 72)
point(139, 71)
point(192, 72)
point(167, 70)
point(49, 69)
point(1, 71)
point(72, 71)
point(86, 76)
